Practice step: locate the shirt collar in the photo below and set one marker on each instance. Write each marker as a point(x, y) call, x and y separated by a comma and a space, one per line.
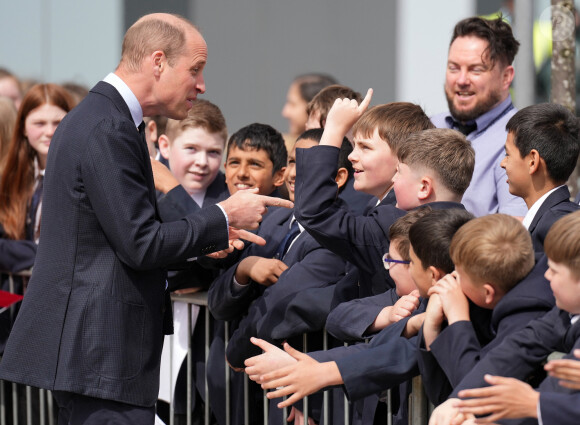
point(127, 95)
point(292, 220)
point(534, 209)
point(485, 120)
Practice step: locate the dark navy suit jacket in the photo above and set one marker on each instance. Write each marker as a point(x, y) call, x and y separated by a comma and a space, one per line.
point(555, 206)
point(459, 347)
point(95, 312)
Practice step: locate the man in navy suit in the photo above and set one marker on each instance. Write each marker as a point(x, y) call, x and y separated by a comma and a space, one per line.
point(92, 323)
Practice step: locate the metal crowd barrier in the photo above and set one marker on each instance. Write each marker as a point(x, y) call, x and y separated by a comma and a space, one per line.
point(11, 410)
point(419, 406)
point(21, 404)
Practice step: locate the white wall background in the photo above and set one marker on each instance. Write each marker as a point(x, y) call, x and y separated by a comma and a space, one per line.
point(424, 31)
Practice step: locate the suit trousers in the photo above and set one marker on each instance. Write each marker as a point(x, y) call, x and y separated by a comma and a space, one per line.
point(78, 409)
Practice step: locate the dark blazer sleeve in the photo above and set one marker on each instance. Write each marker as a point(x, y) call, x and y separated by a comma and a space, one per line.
point(561, 409)
point(435, 381)
point(361, 240)
point(310, 266)
point(297, 313)
point(175, 204)
point(350, 320)
point(388, 360)
point(117, 185)
point(520, 354)
point(226, 302)
point(456, 350)
point(16, 256)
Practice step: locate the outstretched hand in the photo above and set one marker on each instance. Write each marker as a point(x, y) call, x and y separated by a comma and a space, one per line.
point(298, 380)
point(566, 370)
point(506, 398)
point(273, 358)
point(245, 208)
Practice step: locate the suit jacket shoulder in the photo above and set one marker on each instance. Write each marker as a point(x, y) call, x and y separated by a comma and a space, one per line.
point(556, 206)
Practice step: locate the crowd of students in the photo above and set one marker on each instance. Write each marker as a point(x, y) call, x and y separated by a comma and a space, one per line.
point(382, 249)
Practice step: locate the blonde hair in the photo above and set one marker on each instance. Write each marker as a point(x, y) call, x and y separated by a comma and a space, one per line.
point(562, 243)
point(444, 151)
point(495, 248)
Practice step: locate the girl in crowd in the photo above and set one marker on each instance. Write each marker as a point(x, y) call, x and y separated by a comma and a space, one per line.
point(7, 120)
point(300, 92)
point(42, 109)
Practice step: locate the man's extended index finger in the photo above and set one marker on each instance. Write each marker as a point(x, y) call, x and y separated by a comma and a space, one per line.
point(271, 201)
point(250, 237)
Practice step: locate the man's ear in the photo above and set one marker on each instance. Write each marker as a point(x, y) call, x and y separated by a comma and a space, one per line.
point(164, 147)
point(159, 62)
point(278, 177)
point(341, 177)
point(507, 77)
point(426, 188)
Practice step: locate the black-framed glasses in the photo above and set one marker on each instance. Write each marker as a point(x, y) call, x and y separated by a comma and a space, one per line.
point(389, 262)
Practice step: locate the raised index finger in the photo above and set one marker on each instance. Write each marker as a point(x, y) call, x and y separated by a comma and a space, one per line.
point(366, 101)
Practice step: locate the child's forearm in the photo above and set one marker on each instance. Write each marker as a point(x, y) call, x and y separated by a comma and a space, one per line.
point(332, 137)
point(382, 320)
point(430, 333)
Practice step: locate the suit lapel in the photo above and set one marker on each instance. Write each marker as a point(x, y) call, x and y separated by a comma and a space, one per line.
point(560, 195)
point(106, 89)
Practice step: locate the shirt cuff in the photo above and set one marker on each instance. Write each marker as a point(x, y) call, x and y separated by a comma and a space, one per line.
point(237, 287)
point(227, 220)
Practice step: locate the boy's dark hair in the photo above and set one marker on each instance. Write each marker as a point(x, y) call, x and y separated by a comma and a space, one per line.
point(444, 151)
point(562, 243)
point(261, 136)
point(325, 98)
point(315, 134)
point(552, 130)
point(310, 84)
point(494, 248)
point(502, 46)
point(399, 230)
point(393, 121)
point(431, 237)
